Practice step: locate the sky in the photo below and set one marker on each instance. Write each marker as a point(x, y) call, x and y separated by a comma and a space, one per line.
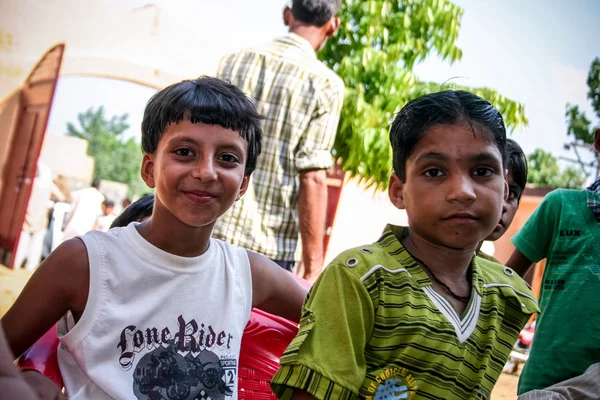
point(536, 52)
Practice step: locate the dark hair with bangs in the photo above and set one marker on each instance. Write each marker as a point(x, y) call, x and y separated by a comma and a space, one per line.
point(204, 100)
point(445, 108)
point(315, 12)
point(517, 165)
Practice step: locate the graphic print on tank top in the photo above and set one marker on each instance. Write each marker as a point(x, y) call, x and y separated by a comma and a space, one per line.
point(194, 361)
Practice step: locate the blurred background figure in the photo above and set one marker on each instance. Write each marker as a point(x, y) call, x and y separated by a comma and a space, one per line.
point(139, 211)
point(85, 208)
point(104, 221)
point(36, 219)
point(126, 202)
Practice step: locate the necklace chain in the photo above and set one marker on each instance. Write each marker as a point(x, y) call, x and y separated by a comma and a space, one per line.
point(464, 299)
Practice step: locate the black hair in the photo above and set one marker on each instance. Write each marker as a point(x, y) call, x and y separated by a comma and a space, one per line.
point(315, 12)
point(445, 108)
point(96, 183)
point(108, 203)
point(136, 211)
point(516, 164)
point(205, 100)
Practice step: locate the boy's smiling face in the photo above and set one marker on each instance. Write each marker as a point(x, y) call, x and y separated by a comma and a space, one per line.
point(455, 187)
point(197, 171)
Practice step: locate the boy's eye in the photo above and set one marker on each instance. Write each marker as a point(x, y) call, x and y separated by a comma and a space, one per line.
point(434, 172)
point(184, 152)
point(483, 172)
point(229, 158)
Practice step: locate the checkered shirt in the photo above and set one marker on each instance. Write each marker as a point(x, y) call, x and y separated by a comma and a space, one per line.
point(301, 100)
point(593, 198)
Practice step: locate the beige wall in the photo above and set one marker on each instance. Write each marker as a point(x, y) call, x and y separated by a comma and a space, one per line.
point(8, 124)
point(67, 156)
point(361, 216)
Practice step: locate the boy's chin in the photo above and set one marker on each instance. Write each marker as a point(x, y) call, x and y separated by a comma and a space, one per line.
point(461, 243)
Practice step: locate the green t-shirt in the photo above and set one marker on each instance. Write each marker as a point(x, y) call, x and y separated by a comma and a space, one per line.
point(567, 333)
point(372, 327)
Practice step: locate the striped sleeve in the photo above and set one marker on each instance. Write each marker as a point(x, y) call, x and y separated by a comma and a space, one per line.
point(582, 387)
point(326, 359)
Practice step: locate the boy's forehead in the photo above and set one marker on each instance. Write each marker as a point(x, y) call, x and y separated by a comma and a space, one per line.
point(456, 140)
point(198, 131)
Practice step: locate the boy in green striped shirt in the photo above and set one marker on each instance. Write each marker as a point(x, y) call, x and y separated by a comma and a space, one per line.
point(417, 314)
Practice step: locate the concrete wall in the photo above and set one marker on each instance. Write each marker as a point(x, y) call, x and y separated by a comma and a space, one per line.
point(67, 156)
point(361, 217)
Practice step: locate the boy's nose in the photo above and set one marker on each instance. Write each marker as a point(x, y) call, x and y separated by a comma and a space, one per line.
point(461, 189)
point(204, 170)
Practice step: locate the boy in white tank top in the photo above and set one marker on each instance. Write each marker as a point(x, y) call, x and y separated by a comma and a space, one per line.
point(156, 310)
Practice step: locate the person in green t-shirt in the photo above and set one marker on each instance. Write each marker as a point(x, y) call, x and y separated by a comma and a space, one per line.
point(564, 229)
point(516, 178)
point(417, 314)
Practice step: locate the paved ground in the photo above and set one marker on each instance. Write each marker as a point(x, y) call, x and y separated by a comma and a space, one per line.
point(12, 281)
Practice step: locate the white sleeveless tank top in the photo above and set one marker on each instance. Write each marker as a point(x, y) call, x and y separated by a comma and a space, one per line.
point(156, 325)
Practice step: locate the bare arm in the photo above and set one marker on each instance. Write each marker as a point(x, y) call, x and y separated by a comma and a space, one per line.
point(60, 284)
point(519, 263)
point(312, 212)
point(275, 290)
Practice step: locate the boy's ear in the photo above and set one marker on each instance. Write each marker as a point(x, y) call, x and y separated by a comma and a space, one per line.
point(243, 187)
point(147, 170)
point(396, 191)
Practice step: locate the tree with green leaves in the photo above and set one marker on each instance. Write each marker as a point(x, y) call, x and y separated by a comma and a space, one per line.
point(115, 158)
point(580, 128)
point(544, 171)
point(375, 50)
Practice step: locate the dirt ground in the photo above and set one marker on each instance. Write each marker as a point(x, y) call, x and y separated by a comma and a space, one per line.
point(13, 281)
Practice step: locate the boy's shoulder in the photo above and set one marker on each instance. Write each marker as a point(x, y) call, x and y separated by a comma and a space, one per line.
point(363, 260)
point(503, 278)
point(566, 195)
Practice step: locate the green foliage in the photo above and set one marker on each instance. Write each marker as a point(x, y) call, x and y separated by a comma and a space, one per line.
point(116, 158)
point(580, 127)
point(374, 52)
point(544, 171)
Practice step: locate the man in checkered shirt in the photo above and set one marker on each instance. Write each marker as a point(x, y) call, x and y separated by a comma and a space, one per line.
point(300, 99)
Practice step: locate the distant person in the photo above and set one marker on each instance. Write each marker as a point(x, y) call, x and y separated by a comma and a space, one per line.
point(139, 211)
point(300, 99)
point(126, 202)
point(31, 242)
point(85, 208)
point(61, 198)
point(104, 221)
point(565, 230)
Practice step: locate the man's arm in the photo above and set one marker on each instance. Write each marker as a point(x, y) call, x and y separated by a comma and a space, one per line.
point(312, 213)
point(519, 263)
point(313, 158)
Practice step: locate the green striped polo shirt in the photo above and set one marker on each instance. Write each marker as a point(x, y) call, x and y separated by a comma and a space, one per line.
point(372, 327)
